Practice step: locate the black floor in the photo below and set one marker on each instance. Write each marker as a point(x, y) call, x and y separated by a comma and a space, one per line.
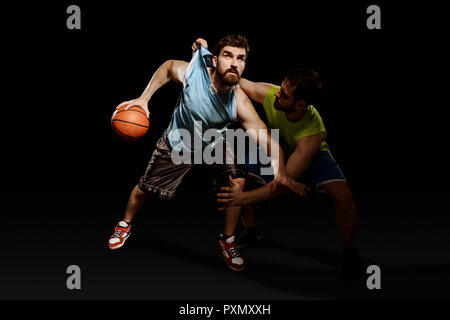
point(171, 253)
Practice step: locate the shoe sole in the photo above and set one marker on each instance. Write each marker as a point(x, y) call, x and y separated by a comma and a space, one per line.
point(226, 262)
point(121, 244)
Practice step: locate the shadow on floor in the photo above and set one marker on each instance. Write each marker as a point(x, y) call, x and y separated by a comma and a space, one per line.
point(321, 282)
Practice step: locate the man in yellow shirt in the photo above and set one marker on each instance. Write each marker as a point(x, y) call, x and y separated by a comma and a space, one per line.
point(302, 135)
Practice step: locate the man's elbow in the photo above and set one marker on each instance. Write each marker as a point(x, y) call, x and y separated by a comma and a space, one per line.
point(176, 69)
point(169, 66)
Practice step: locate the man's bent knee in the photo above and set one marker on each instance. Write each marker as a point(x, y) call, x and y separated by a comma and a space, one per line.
point(139, 193)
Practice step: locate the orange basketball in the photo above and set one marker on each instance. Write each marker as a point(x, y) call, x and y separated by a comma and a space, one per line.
point(131, 124)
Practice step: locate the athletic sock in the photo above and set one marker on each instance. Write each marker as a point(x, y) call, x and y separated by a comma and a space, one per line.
point(225, 237)
point(124, 224)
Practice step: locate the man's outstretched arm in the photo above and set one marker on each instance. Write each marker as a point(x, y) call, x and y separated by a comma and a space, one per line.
point(257, 129)
point(170, 70)
point(255, 90)
point(300, 159)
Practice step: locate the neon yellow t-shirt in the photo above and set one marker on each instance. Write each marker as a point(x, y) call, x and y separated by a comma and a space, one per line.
point(290, 132)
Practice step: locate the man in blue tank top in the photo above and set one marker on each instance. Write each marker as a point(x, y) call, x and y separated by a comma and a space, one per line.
point(209, 102)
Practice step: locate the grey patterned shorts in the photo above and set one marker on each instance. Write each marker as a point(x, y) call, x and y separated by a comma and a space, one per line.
point(163, 177)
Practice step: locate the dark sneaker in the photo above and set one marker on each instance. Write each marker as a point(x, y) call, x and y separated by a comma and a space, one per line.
point(120, 235)
point(351, 268)
point(249, 237)
point(226, 249)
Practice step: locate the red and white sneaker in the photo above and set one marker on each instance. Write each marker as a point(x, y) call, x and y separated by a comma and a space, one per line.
point(121, 234)
point(226, 249)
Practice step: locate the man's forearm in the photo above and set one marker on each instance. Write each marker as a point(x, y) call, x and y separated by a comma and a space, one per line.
point(262, 194)
point(160, 78)
point(277, 160)
point(274, 151)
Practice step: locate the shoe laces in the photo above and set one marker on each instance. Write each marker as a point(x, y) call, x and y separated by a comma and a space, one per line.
point(117, 234)
point(234, 253)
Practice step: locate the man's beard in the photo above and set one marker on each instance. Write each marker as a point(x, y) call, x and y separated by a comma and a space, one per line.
point(276, 105)
point(229, 79)
point(286, 110)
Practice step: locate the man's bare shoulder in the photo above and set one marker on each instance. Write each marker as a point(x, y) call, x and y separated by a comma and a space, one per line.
point(240, 94)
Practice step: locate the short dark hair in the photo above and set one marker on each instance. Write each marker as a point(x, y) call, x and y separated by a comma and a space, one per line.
point(232, 40)
point(307, 82)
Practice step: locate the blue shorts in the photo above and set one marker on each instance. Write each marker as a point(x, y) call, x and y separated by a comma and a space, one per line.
point(322, 169)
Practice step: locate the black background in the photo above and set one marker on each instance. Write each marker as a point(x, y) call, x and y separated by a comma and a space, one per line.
point(66, 177)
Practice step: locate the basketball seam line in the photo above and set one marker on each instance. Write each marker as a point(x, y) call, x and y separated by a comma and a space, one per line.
point(140, 125)
point(119, 111)
point(123, 134)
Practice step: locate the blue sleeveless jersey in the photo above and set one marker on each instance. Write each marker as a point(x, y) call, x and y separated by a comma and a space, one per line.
point(201, 107)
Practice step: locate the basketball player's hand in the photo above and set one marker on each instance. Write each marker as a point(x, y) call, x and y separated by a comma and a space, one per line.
point(140, 102)
point(199, 42)
point(283, 180)
point(233, 196)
